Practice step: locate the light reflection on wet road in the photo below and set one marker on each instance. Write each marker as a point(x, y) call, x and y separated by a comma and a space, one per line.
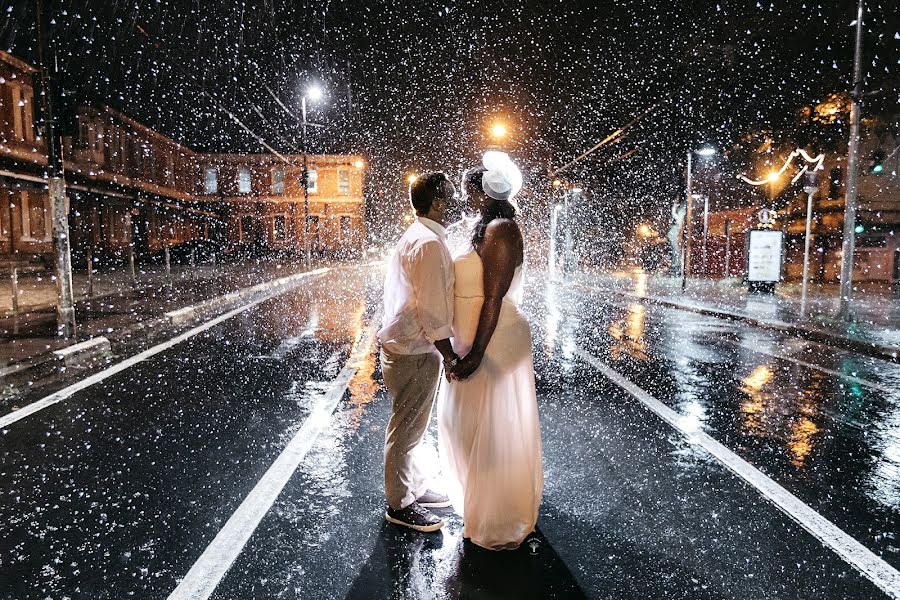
point(118, 490)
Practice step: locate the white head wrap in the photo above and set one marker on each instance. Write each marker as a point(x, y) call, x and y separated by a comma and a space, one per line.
point(502, 180)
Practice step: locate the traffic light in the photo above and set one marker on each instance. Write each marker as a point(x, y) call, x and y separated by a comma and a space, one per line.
point(876, 162)
point(859, 229)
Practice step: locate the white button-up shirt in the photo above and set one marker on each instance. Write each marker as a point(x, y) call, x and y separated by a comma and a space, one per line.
point(418, 291)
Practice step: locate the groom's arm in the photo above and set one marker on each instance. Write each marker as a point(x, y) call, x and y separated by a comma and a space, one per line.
point(429, 271)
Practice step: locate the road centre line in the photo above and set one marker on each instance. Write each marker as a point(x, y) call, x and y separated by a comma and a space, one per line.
point(866, 382)
point(204, 576)
point(67, 392)
point(848, 548)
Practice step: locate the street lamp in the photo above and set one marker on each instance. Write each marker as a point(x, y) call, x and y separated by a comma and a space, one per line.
point(314, 92)
point(498, 130)
point(686, 251)
point(411, 178)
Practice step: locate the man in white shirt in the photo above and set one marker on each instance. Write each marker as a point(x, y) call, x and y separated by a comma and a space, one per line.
point(418, 314)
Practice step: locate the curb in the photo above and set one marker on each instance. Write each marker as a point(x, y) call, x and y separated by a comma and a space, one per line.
point(815, 334)
point(88, 351)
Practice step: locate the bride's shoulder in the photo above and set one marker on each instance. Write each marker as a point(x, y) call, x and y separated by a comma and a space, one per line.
point(503, 229)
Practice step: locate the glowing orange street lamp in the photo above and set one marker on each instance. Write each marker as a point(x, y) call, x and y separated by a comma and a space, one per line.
point(499, 130)
point(411, 179)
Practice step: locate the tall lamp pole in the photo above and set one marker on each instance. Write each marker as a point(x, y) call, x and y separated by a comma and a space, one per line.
point(689, 216)
point(811, 187)
point(849, 243)
point(65, 304)
point(313, 93)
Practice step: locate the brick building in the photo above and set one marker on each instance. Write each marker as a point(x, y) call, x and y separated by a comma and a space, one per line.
point(133, 189)
point(264, 197)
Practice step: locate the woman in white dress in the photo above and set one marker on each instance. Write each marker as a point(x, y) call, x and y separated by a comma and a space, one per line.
point(489, 433)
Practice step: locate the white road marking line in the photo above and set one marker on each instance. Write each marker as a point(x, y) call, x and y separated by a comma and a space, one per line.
point(867, 562)
point(67, 392)
point(890, 391)
point(205, 574)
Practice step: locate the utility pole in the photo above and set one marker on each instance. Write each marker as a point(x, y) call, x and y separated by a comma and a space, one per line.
point(65, 305)
point(849, 244)
point(305, 177)
point(689, 215)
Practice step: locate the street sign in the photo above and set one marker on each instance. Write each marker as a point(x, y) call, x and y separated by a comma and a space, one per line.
point(765, 216)
point(764, 255)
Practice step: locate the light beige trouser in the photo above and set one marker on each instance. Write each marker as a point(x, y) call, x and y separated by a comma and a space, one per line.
point(411, 382)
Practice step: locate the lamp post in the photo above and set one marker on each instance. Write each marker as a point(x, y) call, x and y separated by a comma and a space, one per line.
point(811, 187)
point(686, 251)
point(849, 242)
point(313, 93)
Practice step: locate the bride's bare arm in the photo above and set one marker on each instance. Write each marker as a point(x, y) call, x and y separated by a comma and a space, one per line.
point(500, 253)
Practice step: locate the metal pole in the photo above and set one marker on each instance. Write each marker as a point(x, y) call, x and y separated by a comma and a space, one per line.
point(727, 247)
point(90, 275)
point(305, 177)
point(193, 264)
point(168, 265)
point(809, 207)
point(686, 245)
point(849, 242)
point(65, 303)
point(705, 231)
point(14, 280)
point(569, 257)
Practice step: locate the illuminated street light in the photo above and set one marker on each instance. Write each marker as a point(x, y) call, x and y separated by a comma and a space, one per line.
point(314, 92)
point(557, 183)
point(359, 164)
point(498, 130)
point(773, 176)
point(646, 231)
point(412, 179)
point(706, 151)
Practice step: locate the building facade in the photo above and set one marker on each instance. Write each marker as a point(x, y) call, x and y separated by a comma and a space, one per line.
point(135, 191)
point(877, 254)
point(265, 201)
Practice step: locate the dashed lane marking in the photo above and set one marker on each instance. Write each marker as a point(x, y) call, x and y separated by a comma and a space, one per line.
point(205, 574)
point(886, 577)
point(67, 392)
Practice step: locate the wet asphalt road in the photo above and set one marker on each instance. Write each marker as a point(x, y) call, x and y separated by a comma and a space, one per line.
point(115, 492)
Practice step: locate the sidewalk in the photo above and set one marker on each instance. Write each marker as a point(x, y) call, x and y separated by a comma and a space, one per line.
point(874, 328)
point(120, 307)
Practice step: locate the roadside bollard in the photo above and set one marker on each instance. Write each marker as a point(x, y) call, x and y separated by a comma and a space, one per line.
point(193, 265)
point(15, 290)
point(90, 275)
point(168, 266)
point(131, 264)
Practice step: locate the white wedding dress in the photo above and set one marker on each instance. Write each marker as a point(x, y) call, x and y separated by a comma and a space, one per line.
point(489, 435)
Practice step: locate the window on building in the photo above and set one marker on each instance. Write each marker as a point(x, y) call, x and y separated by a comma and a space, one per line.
point(313, 181)
point(343, 182)
point(278, 181)
point(246, 233)
point(18, 121)
point(280, 228)
point(211, 181)
point(35, 217)
point(244, 186)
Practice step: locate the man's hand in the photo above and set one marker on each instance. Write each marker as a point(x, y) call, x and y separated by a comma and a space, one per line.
point(467, 366)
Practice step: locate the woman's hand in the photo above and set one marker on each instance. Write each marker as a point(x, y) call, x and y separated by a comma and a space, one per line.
point(467, 365)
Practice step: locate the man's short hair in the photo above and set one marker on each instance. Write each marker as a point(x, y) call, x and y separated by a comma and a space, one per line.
point(426, 189)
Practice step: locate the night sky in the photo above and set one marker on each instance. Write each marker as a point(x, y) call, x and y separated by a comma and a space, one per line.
point(415, 85)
